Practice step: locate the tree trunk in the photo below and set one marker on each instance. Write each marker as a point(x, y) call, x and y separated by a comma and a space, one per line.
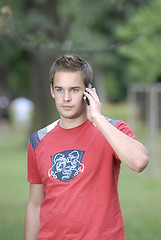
point(4, 79)
point(45, 111)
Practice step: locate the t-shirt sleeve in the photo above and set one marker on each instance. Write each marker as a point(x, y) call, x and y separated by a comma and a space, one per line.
point(123, 127)
point(33, 175)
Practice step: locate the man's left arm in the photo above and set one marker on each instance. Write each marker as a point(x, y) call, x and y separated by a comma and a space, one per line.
point(130, 151)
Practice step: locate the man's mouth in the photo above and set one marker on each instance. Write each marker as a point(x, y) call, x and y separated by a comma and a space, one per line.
point(67, 107)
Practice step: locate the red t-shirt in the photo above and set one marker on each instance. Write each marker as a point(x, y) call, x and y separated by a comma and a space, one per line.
point(79, 171)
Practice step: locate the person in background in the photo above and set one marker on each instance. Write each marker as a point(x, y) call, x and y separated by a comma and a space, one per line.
point(74, 163)
point(22, 109)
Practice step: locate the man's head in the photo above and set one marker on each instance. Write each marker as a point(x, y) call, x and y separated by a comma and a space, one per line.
point(72, 63)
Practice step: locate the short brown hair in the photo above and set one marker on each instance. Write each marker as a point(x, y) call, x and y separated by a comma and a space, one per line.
point(72, 63)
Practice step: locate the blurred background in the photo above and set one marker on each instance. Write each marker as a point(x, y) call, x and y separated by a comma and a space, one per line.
point(121, 40)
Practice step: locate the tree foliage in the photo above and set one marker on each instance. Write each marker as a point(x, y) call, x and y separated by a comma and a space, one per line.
point(143, 56)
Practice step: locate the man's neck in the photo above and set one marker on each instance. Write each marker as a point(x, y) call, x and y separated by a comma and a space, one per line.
point(71, 123)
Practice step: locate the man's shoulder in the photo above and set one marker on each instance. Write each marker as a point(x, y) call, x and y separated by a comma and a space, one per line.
point(40, 134)
point(122, 126)
point(112, 121)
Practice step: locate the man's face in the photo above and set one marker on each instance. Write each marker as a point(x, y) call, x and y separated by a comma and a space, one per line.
point(67, 90)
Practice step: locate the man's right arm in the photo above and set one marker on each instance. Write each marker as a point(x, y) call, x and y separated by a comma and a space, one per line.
point(32, 222)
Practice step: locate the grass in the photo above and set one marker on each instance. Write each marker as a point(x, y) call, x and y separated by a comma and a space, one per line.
point(140, 194)
point(13, 184)
point(140, 201)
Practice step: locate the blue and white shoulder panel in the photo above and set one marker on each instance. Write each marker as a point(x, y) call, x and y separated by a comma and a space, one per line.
point(39, 135)
point(112, 121)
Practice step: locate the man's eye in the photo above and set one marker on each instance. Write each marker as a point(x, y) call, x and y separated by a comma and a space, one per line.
point(75, 90)
point(59, 90)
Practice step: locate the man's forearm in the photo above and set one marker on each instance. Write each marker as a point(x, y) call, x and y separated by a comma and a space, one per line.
point(131, 152)
point(32, 223)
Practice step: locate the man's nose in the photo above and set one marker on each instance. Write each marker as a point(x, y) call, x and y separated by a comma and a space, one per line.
point(67, 96)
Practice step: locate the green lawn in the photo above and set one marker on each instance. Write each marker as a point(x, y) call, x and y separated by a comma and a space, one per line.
point(13, 186)
point(140, 194)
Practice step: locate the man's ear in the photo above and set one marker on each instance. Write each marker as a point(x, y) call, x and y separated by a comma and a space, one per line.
point(52, 91)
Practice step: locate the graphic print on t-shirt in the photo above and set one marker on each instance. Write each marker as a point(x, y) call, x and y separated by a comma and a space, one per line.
point(66, 164)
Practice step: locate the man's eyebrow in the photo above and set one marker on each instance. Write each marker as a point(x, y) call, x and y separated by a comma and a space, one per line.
point(76, 87)
point(57, 87)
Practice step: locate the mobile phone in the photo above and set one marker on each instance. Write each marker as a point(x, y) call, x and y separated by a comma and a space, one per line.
point(85, 98)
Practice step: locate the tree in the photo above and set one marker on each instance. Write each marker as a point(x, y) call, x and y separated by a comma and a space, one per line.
point(143, 56)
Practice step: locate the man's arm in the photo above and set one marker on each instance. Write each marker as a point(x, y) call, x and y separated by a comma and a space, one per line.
point(130, 151)
point(32, 222)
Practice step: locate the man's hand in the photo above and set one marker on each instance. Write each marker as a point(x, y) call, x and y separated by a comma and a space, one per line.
point(95, 108)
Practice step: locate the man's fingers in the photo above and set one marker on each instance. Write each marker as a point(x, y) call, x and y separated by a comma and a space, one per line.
point(92, 93)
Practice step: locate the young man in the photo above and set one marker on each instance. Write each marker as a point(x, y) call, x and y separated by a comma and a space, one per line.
point(74, 163)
